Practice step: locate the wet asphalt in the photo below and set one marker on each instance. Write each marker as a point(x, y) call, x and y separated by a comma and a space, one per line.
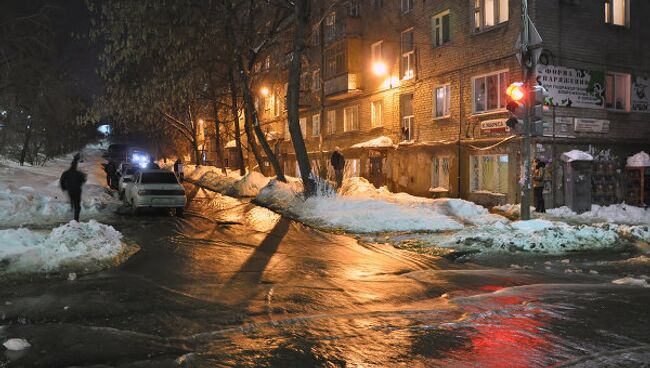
point(235, 285)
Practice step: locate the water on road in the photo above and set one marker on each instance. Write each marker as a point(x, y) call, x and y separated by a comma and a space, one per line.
point(235, 285)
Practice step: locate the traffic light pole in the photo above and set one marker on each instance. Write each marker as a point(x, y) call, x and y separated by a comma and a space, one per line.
point(525, 150)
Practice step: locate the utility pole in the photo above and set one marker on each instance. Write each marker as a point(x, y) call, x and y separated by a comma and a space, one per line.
point(525, 150)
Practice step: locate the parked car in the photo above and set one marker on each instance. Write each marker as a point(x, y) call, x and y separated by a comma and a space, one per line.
point(126, 177)
point(154, 188)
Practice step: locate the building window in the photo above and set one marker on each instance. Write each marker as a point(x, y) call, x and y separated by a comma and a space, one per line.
point(406, 6)
point(489, 173)
point(617, 91)
point(304, 81)
point(407, 65)
point(277, 103)
point(315, 125)
point(351, 118)
point(330, 27)
point(353, 8)
point(377, 113)
point(303, 127)
point(331, 121)
point(315, 35)
point(441, 100)
point(407, 117)
point(440, 172)
point(489, 91)
point(377, 3)
point(440, 30)
point(267, 63)
point(489, 13)
point(315, 80)
point(287, 134)
point(377, 52)
point(335, 60)
point(617, 12)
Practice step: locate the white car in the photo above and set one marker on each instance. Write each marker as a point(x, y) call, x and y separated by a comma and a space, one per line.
point(125, 178)
point(155, 188)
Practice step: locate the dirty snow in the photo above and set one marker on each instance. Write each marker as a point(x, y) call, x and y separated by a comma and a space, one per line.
point(639, 160)
point(16, 344)
point(82, 246)
point(31, 194)
point(631, 281)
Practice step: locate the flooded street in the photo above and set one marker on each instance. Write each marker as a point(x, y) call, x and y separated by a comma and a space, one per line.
point(235, 285)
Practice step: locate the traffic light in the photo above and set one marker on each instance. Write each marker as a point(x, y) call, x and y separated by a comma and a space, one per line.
point(516, 105)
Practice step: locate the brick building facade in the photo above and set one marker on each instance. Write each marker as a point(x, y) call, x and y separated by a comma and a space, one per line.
point(431, 76)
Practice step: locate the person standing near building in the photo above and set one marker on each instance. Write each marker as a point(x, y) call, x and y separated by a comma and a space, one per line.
point(538, 185)
point(71, 181)
point(178, 169)
point(338, 163)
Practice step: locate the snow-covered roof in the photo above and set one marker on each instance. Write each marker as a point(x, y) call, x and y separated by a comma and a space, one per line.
point(638, 160)
point(576, 155)
point(379, 142)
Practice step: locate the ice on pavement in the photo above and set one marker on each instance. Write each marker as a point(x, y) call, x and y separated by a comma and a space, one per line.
point(16, 344)
point(631, 281)
point(31, 194)
point(80, 246)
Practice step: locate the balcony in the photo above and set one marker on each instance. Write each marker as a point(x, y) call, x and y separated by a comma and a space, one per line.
point(343, 86)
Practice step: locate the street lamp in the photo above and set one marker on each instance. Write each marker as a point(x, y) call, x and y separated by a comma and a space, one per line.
point(379, 68)
point(264, 91)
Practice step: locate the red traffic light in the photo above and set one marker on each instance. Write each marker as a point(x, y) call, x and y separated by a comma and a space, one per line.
point(516, 92)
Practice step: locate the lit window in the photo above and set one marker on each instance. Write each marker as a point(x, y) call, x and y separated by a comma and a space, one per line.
point(303, 127)
point(489, 13)
point(489, 173)
point(440, 172)
point(406, 6)
point(315, 125)
point(267, 62)
point(440, 31)
point(407, 65)
point(377, 113)
point(331, 121)
point(617, 91)
point(407, 117)
point(489, 91)
point(617, 12)
point(351, 118)
point(441, 101)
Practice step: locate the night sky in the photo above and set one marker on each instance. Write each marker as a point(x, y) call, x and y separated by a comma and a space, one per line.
point(76, 57)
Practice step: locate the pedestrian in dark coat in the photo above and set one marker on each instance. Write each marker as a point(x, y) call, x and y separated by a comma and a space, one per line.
point(71, 181)
point(338, 163)
point(538, 185)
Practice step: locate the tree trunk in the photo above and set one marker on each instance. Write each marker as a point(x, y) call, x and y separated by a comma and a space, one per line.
point(235, 116)
point(251, 113)
point(301, 12)
point(23, 152)
point(217, 139)
point(195, 144)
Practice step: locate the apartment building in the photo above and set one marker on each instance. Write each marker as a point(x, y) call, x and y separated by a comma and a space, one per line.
point(413, 91)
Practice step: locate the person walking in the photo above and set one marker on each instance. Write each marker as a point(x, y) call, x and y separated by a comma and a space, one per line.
point(338, 163)
point(538, 185)
point(71, 181)
point(178, 169)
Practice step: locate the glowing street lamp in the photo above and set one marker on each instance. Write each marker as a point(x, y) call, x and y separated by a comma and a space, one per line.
point(264, 91)
point(379, 68)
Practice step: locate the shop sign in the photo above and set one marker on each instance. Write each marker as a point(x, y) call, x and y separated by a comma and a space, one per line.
point(494, 126)
point(562, 129)
point(641, 94)
point(591, 125)
point(572, 87)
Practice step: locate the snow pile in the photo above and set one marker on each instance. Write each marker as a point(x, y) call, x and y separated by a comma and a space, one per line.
point(638, 160)
point(631, 281)
point(26, 205)
point(362, 208)
point(233, 185)
point(194, 172)
point(85, 246)
point(637, 232)
point(378, 142)
point(540, 236)
point(616, 213)
point(576, 155)
point(16, 344)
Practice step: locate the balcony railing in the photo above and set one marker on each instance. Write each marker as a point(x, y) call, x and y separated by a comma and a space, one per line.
point(343, 85)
